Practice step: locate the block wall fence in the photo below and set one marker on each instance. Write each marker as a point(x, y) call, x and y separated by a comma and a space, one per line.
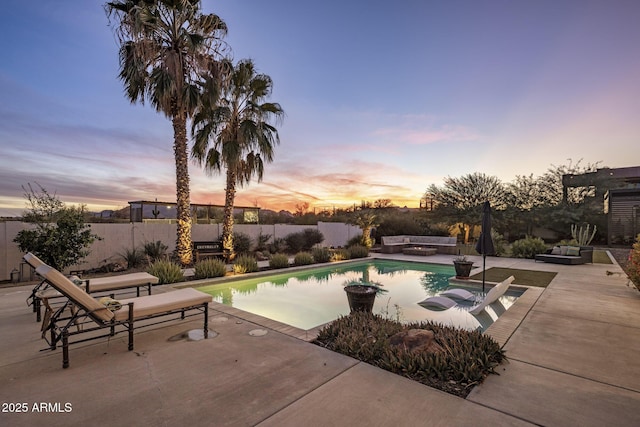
point(116, 238)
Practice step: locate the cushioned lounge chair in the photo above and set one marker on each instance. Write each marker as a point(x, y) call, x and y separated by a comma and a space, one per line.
point(94, 285)
point(89, 315)
point(443, 302)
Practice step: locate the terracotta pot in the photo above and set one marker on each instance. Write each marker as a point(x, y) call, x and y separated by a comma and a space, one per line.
point(361, 298)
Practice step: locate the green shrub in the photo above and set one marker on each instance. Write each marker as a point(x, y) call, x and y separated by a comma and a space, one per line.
point(263, 239)
point(355, 240)
point(321, 254)
point(241, 243)
point(210, 267)
point(279, 261)
point(339, 255)
point(358, 251)
point(133, 257)
point(633, 266)
point(528, 247)
point(245, 264)
point(155, 250)
point(499, 243)
point(303, 258)
point(59, 236)
point(303, 240)
point(312, 237)
point(396, 225)
point(278, 245)
point(295, 242)
point(166, 272)
point(467, 356)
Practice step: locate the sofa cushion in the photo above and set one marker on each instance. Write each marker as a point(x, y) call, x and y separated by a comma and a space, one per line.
point(555, 250)
point(563, 249)
point(573, 251)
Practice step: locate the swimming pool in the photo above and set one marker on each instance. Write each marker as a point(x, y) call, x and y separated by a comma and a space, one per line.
point(312, 297)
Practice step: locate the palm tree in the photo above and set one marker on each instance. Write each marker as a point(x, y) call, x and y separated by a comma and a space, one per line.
point(165, 46)
point(236, 133)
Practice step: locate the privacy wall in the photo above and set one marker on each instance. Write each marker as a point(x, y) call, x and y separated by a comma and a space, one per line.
point(116, 238)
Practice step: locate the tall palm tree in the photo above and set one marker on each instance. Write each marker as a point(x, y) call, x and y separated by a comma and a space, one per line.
point(237, 133)
point(165, 45)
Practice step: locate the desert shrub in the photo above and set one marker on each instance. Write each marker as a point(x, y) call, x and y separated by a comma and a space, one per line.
point(339, 255)
point(133, 257)
point(303, 240)
point(241, 243)
point(210, 267)
point(295, 242)
point(59, 236)
point(261, 244)
point(166, 271)
point(245, 264)
point(467, 357)
point(438, 229)
point(321, 254)
point(633, 266)
point(303, 258)
point(312, 237)
point(528, 247)
point(499, 243)
point(279, 245)
point(355, 240)
point(279, 261)
point(395, 225)
point(358, 251)
point(155, 250)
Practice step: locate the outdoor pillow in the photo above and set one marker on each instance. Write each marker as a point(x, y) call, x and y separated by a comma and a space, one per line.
point(110, 303)
point(573, 251)
point(406, 240)
point(555, 250)
point(563, 250)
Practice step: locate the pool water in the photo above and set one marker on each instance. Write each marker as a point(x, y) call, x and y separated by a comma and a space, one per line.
point(309, 298)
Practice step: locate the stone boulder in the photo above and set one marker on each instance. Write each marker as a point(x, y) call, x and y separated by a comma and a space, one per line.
point(416, 341)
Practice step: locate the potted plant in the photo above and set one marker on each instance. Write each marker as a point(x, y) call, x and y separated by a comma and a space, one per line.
point(362, 294)
point(463, 267)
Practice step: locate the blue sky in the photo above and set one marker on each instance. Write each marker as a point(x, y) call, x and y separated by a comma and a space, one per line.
point(382, 99)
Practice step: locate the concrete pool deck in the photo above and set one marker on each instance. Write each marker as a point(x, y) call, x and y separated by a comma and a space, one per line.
point(573, 360)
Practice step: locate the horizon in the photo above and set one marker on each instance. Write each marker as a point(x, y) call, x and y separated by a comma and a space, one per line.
point(381, 100)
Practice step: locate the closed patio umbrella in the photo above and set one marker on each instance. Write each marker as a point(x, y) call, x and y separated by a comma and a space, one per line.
point(485, 243)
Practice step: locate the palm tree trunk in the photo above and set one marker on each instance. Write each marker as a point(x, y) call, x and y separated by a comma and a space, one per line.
point(183, 239)
point(227, 224)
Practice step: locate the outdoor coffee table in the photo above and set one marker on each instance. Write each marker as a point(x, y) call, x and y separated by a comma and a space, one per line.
point(419, 250)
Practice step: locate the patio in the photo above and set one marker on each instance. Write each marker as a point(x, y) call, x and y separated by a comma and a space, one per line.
point(573, 360)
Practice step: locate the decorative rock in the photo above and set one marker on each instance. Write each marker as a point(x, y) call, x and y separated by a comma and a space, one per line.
point(258, 332)
point(416, 341)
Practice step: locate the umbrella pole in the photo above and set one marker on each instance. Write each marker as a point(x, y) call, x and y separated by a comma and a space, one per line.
point(484, 264)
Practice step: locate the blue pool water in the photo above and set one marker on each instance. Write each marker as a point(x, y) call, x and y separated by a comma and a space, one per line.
point(309, 298)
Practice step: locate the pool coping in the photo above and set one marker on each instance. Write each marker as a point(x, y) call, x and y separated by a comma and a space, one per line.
point(500, 330)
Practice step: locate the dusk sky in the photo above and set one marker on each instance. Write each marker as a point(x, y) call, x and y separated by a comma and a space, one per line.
point(382, 98)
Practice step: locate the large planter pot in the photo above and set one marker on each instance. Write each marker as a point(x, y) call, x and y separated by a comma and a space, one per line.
point(463, 269)
point(361, 298)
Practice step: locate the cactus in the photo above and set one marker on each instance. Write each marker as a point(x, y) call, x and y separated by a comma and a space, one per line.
point(581, 235)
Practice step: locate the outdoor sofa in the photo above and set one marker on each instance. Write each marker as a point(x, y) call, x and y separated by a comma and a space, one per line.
point(568, 255)
point(395, 244)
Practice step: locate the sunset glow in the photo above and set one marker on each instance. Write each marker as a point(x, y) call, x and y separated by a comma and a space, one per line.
point(382, 99)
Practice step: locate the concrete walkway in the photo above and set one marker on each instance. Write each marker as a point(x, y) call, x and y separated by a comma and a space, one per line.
point(573, 360)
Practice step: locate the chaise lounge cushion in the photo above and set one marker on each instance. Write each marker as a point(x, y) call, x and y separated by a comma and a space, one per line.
point(159, 303)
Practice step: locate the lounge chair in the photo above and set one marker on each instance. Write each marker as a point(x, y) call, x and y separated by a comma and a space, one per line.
point(88, 314)
point(444, 302)
point(95, 285)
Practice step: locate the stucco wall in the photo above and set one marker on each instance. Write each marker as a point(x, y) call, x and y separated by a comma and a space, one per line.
point(116, 238)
